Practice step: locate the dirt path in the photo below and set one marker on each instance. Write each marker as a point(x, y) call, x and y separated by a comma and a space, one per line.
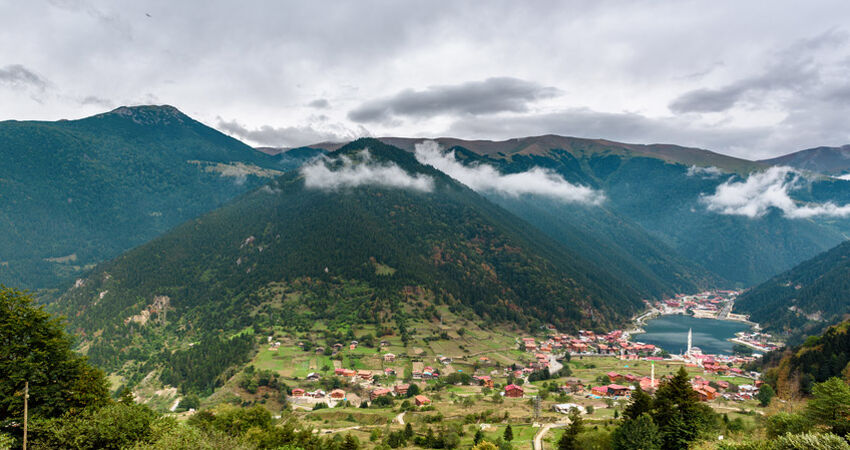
point(400, 418)
point(538, 438)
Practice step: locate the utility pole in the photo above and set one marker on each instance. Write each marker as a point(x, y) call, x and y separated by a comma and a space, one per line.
point(536, 407)
point(26, 399)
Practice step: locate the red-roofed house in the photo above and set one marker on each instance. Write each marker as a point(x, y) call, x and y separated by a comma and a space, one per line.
point(513, 390)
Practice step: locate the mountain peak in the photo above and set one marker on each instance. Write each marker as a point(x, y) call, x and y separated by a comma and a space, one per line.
point(149, 114)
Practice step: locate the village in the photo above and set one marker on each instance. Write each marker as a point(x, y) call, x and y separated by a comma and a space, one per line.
point(453, 371)
point(544, 359)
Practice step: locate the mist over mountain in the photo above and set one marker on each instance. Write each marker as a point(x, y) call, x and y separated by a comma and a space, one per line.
point(827, 160)
point(742, 220)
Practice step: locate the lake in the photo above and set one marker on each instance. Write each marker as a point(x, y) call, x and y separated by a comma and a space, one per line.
point(671, 333)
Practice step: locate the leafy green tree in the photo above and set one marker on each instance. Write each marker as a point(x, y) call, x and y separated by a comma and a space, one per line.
point(114, 426)
point(485, 445)
point(783, 423)
point(34, 348)
point(509, 433)
point(640, 433)
point(810, 441)
point(830, 405)
point(765, 395)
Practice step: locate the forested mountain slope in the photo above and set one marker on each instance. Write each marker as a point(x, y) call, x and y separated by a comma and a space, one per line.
point(291, 253)
point(77, 192)
point(661, 189)
point(806, 299)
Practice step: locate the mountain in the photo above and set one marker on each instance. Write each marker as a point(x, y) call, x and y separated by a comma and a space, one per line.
point(804, 300)
point(290, 254)
point(658, 190)
point(826, 160)
point(578, 148)
point(77, 192)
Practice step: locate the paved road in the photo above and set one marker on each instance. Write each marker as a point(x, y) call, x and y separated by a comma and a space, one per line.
point(400, 418)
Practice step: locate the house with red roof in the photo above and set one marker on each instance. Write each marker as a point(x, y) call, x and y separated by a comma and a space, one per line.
point(513, 390)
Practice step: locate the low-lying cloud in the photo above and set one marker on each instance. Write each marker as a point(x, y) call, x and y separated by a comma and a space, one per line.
point(761, 191)
point(710, 172)
point(484, 177)
point(268, 135)
point(345, 172)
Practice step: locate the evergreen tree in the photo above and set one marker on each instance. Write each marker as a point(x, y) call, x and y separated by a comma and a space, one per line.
point(408, 431)
point(569, 440)
point(676, 411)
point(478, 437)
point(830, 405)
point(641, 403)
point(640, 433)
point(350, 443)
point(509, 433)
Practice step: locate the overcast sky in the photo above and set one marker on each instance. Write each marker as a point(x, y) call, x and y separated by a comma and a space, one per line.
point(752, 79)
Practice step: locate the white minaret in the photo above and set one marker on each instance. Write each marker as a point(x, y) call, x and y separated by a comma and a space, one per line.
point(690, 340)
point(652, 375)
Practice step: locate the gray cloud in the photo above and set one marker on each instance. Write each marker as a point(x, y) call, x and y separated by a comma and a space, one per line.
point(97, 101)
point(769, 81)
point(796, 69)
point(292, 136)
point(18, 76)
point(319, 103)
point(492, 95)
point(625, 127)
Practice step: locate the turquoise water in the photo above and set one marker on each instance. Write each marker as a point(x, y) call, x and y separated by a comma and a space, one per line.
point(671, 334)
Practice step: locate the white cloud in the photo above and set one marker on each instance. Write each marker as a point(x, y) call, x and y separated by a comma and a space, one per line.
point(761, 191)
point(705, 172)
point(484, 177)
point(343, 172)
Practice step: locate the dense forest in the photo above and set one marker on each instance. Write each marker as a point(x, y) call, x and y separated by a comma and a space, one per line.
point(77, 192)
point(804, 300)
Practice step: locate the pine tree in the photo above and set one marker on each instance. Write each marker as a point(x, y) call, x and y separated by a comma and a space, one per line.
point(830, 405)
point(408, 431)
point(478, 437)
point(350, 443)
point(509, 433)
point(640, 433)
point(641, 403)
point(569, 440)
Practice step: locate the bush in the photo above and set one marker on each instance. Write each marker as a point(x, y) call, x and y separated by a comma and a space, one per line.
point(784, 423)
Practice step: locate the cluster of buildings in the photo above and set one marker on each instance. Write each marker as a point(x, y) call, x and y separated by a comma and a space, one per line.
point(590, 343)
point(758, 340)
point(708, 304)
